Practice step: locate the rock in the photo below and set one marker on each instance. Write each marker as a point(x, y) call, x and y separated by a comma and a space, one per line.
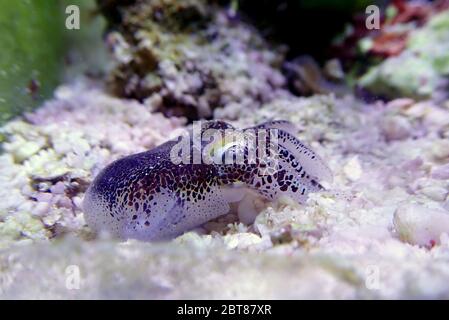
point(400, 103)
point(26, 150)
point(440, 149)
point(334, 69)
point(241, 240)
point(420, 225)
point(192, 54)
point(441, 172)
point(436, 190)
point(436, 193)
point(396, 128)
point(353, 170)
point(417, 71)
point(403, 75)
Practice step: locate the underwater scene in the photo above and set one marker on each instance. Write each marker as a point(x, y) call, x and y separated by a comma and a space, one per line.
point(224, 149)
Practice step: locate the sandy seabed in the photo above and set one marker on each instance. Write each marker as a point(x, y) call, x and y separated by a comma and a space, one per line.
point(379, 231)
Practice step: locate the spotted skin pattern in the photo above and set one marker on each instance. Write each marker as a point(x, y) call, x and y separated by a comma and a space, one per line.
point(147, 196)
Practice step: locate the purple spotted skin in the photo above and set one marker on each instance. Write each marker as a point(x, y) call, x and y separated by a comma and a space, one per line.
point(148, 197)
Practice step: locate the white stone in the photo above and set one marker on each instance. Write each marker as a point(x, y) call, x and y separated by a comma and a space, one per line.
point(353, 170)
point(420, 225)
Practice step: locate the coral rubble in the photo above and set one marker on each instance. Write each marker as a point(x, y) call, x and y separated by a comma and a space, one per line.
point(190, 55)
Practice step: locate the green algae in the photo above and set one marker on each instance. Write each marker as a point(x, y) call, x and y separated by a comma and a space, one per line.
point(32, 52)
point(419, 70)
point(38, 51)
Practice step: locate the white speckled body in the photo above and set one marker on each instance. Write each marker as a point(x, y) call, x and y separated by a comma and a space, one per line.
point(148, 197)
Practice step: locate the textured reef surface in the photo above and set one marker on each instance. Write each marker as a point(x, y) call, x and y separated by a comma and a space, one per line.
point(420, 70)
point(381, 230)
point(190, 56)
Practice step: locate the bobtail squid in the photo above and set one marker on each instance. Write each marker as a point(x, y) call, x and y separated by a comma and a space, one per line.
point(150, 196)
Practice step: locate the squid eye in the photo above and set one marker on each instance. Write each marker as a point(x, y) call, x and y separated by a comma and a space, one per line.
point(226, 149)
point(221, 152)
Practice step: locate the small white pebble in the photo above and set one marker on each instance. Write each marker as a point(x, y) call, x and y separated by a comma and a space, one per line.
point(78, 202)
point(440, 149)
point(396, 128)
point(417, 224)
point(441, 172)
point(41, 208)
point(44, 197)
point(58, 188)
point(353, 169)
point(435, 192)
